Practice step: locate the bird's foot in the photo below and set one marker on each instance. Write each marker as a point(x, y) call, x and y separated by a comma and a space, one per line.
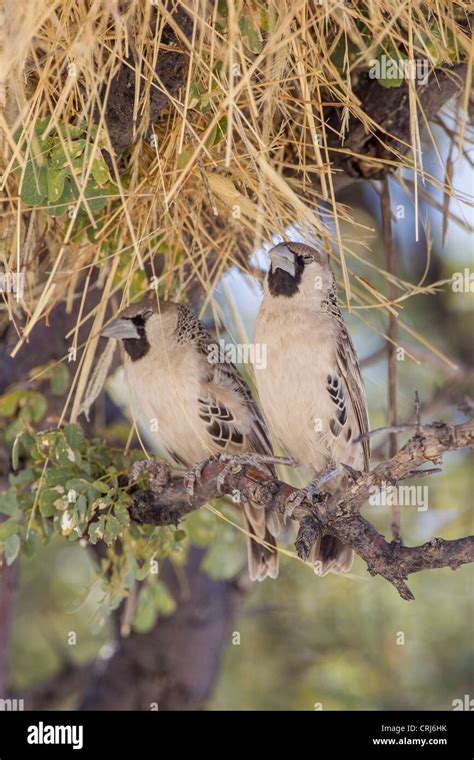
point(310, 492)
point(194, 475)
point(294, 500)
point(158, 472)
point(235, 462)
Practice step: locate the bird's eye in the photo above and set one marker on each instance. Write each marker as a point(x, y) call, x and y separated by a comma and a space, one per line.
point(147, 314)
point(307, 259)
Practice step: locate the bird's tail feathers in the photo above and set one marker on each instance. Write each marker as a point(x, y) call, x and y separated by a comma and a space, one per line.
point(262, 558)
point(332, 556)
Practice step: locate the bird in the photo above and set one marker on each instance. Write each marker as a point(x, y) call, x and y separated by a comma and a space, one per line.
point(198, 405)
point(311, 390)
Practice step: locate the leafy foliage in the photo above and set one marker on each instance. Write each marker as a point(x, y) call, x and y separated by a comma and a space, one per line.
point(75, 487)
point(59, 164)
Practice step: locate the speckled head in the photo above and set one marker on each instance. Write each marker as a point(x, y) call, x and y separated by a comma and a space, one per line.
point(289, 263)
point(132, 326)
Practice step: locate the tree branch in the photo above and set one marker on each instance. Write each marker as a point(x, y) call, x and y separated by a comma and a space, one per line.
point(338, 514)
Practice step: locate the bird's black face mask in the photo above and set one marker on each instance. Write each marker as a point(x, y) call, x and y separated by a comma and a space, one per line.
point(281, 281)
point(137, 347)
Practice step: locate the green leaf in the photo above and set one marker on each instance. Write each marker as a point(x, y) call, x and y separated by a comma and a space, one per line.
point(142, 572)
point(122, 514)
point(224, 561)
point(201, 527)
point(251, 35)
point(154, 599)
point(211, 137)
point(221, 130)
point(96, 196)
point(7, 529)
point(82, 507)
point(96, 530)
point(61, 159)
point(41, 125)
point(100, 171)
point(9, 502)
point(65, 454)
point(26, 441)
point(34, 187)
point(100, 486)
point(77, 484)
point(206, 100)
point(392, 76)
point(74, 434)
point(113, 529)
point(45, 441)
point(16, 452)
point(163, 600)
point(217, 133)
point(37, 404)
point(16, 428)
point(56, 180)
point(61, 206)
point(194, 96)
point(60, 476)
point(59, 379)
point(26, 475)
point(9, 403)
point(12, 548)
point(30, 544)
point(145, 616)
point(75, 131)
point(52, 500)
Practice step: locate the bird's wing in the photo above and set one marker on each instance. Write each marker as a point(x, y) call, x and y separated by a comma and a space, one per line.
point(224, 394)
point(256, 437)
point(348, 367)
point(234, 423)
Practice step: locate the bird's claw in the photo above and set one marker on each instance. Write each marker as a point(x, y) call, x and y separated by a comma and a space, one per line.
point(191, 477)
point(310, 492)
point(194, 475)
point(235, 462)
point(260, 461)
point(294, 500)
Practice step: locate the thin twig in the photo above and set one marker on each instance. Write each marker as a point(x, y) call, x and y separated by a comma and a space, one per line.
point(390, 258)
point(417, 411)
point(393, 429)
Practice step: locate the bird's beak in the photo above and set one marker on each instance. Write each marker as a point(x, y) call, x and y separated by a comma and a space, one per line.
point(120, 328)
point(282, 258)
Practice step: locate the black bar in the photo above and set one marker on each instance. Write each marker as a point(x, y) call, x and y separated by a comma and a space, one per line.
point(311, 734)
